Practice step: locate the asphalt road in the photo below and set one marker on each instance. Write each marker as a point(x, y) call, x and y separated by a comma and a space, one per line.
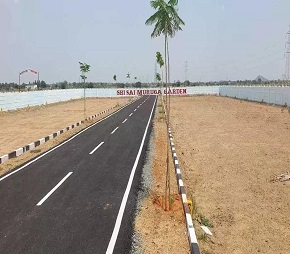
point(81, 196)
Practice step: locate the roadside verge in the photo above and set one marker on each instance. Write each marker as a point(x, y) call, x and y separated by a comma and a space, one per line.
point(63, 133)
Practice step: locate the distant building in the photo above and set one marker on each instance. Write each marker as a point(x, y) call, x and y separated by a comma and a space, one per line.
point(31, 87)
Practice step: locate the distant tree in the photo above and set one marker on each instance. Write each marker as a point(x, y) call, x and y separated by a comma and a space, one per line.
point(120, 85)
point(177, 83)
point(137, 84)
point(43, 84)
point(186, 83)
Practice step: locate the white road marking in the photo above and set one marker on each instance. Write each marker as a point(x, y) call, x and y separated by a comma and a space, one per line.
point(99, 145)
point(115, 233)
point(36, 159)
point(124, 120)
point(53, 190)
point(135, 109)
point(114, 130)
point(131, 114)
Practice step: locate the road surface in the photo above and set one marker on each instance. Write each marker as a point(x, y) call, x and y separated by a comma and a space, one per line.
point(79, 197)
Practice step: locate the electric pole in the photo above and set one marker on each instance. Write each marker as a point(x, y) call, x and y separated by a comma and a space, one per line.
point(185, 70)
point(287, 56)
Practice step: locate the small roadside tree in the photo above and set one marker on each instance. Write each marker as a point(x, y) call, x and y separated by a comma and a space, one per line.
point(158, 78)
point(84, 68)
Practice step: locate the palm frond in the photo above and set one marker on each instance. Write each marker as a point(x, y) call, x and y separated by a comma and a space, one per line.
point(166, 19)
point(155, 4)
point(153, 19)
point(158, 30)
point(173, 2)
point(174, 15)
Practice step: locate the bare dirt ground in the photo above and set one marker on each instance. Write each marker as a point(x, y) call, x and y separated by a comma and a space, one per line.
point(229, 151)
point(161, 231)
point(21, 127)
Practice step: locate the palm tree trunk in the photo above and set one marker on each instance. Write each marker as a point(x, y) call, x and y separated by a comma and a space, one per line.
point(84, 99)
point(167, 181)
point(165, 64)
point(166, 83)
point(168, 115)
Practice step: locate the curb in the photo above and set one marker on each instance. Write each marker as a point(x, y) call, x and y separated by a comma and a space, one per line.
point(41, 141)
point(194, 248)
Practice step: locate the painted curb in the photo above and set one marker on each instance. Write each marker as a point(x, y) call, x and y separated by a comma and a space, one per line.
point(194, 248)
point(189, 224)
point(41, 141)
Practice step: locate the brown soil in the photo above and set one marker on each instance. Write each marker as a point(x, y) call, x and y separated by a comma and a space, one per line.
point(229, 151)
point(162, 231)
point(21, 127)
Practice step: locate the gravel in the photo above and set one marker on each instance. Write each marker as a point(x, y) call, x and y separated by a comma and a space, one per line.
point(145, 186)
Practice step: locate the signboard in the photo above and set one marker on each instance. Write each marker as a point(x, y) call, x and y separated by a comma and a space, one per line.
point(153, 91)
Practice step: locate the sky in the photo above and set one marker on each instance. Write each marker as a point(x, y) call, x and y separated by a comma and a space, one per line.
point(221, 40)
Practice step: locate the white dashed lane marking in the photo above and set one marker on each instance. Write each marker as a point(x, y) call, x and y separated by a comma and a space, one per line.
point(124, 120)
point(97, 148)
point(54, 189)
point(114, 130)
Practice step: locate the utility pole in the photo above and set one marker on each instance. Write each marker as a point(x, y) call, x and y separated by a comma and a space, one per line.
point(287, 57)
point(185, 70)
point(155, 71)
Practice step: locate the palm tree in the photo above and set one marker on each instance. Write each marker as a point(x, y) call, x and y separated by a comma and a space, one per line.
point(167, 22)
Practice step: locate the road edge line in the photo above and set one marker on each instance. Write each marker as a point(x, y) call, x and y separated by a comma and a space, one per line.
point(117, 226)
